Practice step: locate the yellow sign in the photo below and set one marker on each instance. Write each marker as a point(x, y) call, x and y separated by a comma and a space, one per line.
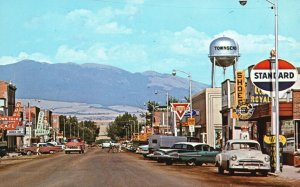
point(191, 121)
point(272, 139)
point(244, 111)
point(240, 87)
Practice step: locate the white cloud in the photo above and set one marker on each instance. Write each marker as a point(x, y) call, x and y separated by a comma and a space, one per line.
point(192, 43)
point(128, 53)
point(112, 28)
point(135, 2)
point(94, 54)
point(257, 44)
point(23, 56)
point(119, 55)
point(104, 21)
point(189, 41)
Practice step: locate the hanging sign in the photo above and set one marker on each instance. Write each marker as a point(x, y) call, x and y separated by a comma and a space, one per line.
point(263, 75)
point(244, 111)
point(240, 87)
point(11, 122)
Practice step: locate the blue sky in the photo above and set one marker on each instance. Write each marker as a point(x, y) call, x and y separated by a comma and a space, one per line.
point(141, 35)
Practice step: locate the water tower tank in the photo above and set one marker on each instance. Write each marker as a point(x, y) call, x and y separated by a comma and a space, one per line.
point(224, 51)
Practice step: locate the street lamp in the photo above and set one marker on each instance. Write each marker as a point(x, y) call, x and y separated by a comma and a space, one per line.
point(133, 126)
point(152, 110)
point(190, 88)
point(167, 93)
point(275, 114)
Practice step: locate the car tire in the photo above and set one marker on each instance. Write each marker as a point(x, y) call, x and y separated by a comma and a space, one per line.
point(51, 152)
point(264, 173)
point(28, 153)
point(190, 162)
point(231, 172)
point(199, 163)
point(66, 152)
point(169, 162)
point(220, 170)
point(253, 173)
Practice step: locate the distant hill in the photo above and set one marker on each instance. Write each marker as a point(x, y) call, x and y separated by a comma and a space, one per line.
point(92, 83)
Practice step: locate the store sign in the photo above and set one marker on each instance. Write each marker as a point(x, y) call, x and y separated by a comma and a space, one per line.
point(19, 132)
point(244, 111)
point(240, 87)
point(41, 127)
point(272, 139)
point(263, 75)
point(258, 96)
point(11, 122)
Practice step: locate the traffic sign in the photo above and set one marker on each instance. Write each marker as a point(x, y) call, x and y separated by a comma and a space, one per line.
point(188, 113)
point(191, 121)
point(192, 128)
point(263, 75)
point(180, 109)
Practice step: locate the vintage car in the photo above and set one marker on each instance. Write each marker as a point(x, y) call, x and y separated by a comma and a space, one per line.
point(39, 148)
point(163, 155)
point(202, 153)
point(142, 149)
point(74, 145)
point(243, 155)
point(3, 148)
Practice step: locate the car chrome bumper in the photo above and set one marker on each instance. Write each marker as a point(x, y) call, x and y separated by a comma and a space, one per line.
point(250, 168)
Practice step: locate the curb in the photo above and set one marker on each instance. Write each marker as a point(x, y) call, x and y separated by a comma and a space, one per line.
point(273, 174)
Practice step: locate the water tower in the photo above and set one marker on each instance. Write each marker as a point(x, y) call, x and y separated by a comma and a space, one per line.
point(223, 52)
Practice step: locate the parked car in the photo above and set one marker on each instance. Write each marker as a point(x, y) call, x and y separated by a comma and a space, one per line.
point(3, 151)
point(39, 147)
point(3, 148)
point(142, 149)
point(62, 146)
point(202, 153)
point(171, 154)
point(156, 142)
point(243, 155)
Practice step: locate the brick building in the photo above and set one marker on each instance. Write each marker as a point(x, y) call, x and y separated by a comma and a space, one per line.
point(7, 107)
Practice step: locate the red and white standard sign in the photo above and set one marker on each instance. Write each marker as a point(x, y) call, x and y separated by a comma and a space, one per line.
point(263, 75)
point(180, 109)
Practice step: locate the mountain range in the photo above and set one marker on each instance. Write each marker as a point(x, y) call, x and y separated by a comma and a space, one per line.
point(93, 83)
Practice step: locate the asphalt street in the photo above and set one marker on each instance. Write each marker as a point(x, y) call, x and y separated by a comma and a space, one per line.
point(97, 167)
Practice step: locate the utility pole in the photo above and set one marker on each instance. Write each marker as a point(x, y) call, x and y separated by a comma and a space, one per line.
point(64, 129)
point(70, 130)
point(78, 130)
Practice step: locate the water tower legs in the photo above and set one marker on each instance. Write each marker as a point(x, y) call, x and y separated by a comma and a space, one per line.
point(213, 73)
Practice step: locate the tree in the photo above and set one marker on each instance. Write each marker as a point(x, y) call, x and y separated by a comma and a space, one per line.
point(173, 100)
point(86, 130)
point(122, 124)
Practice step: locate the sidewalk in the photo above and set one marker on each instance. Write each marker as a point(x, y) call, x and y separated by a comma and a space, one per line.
point(290, 172)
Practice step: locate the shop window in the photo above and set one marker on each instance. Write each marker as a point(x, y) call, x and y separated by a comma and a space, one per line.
point(287, 128)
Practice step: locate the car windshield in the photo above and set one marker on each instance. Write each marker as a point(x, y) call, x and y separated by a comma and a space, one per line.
point(245, 145)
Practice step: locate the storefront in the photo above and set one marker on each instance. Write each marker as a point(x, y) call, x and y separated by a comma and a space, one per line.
point(208, 124)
